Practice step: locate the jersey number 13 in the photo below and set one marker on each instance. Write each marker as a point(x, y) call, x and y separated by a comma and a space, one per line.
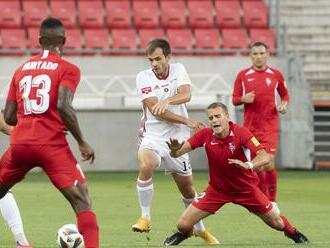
point(40, 103)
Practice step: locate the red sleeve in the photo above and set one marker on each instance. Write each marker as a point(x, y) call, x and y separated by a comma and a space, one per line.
point(71, 77)
point(238, 90)
point(282, 88)
point(249, 141)
point(198, 139)
point(12, 91)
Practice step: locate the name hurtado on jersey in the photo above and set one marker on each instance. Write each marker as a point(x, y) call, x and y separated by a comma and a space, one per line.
point(40, 65)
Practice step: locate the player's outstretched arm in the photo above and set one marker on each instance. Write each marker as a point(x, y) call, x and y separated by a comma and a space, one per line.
point(283, 107)
point(69, 118)
point(10, 113)
point(183, 95)
point(261, 159)
point(178, 148)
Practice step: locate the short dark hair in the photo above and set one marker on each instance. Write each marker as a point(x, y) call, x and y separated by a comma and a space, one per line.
point(50, 23)
point(51, 32)
point(218, 105)
point(259, 43)
point(161, 43)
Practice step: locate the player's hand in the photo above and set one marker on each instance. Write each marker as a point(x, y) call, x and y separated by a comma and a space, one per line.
point(238, 163)
point(160, 107)
point(195, 125)
point(174, 145)
point(248, 97)
point(87, 152)
point(283, 107)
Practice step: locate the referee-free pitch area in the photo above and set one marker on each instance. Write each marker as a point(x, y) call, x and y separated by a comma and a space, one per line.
point(304, 197)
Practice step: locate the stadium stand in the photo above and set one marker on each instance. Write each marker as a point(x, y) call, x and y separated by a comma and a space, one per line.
point(65, 11)
point(235, 38)
point(180, 39)
point(255, 14)
point(90, 14)
point(200, 14)
point(33, 38)
point(118, 13)
point(73, 41)
point(265, 35)
point(10, 14)
point(13, 39)
point(173, 14)
point(96, 39)
point(228, 14)
point(34, 12)
point(125, 39)
point(207, 39)
point(146, 14)
point(147, 35)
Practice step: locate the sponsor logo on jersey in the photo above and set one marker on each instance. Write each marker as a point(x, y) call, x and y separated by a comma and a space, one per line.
point(268, 81)
point(250, 79)
point(255, 141)
point(156, 87)
point(231, 147)
point(146, 90)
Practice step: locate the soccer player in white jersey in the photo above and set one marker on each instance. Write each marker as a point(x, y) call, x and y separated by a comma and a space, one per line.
point(163, 90)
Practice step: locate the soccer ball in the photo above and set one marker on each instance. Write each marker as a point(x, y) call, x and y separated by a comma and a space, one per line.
point(68, 236)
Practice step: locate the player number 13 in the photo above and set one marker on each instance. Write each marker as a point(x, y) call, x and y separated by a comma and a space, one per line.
point(40, 103)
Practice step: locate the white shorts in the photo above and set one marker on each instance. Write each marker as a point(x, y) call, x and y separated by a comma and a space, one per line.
point(180, 165)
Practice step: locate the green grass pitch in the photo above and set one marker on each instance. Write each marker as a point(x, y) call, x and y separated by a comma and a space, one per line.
point(304, 197)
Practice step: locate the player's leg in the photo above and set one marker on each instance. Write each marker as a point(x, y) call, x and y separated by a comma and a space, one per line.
point(11, 173)
point(271, 180)
point(65, 173)
point(11, 214)
point(185, 225)
point(148, 160)
point(86, 219)
point(185, 186)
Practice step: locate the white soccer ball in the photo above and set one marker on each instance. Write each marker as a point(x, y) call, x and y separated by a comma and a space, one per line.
point(68, 236)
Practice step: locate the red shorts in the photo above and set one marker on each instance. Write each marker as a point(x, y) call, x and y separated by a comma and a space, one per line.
point(212, 200)
point(56, 160)
point(269, 141)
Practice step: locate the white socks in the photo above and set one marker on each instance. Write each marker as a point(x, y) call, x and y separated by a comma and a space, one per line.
point(12, 216)
point(199, 226)
point(145, 190)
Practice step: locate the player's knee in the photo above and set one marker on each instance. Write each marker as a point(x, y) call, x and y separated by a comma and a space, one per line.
point(189, 193)
point(146, 169)
point(276, 223)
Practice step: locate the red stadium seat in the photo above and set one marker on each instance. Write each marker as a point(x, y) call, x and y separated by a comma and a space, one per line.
point(207, 39)
point(66, 11)
point(255, 14)
point(200, 13)
point(173, 14)
point(13, 39)
point(97, 39)
point(234, 38)
point(73, 41)
point(10, 14)
point(266, 36)
point(124, 39)
point(147, 35)
point(228, 14)
point(33, 38)
point(118, 13)
point(180, 39)
point(146, 14)
point(90, 13)
point(34, 12)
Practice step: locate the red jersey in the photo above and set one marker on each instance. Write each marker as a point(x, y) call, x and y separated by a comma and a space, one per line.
point(260, 116)
point(34, 88)
point(239, 144)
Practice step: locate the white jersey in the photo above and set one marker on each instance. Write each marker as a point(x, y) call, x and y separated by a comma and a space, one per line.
point(148, 85)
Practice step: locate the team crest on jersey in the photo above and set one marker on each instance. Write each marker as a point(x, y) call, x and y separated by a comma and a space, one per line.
point(146, 90)
point(268, 81)
point(231, 147)
point(156, 87)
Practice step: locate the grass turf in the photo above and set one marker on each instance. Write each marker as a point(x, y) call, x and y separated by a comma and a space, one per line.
point(303, 198)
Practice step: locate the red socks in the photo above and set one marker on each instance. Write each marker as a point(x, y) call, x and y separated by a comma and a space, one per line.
point(288, 228)
point(88, 227)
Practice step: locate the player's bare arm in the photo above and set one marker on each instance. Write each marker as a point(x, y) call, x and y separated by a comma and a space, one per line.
point(283, 107)
point(183, 95)
point(261, 159)
point(4, 127)
point(171, 117)
point(248, 97)
point(10, 112)
point(69, 118)
point(178, 148)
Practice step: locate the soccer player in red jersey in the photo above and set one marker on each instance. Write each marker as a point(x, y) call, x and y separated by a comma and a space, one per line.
point(232, 176)
point(8, 206)
point(256, 88)
point(39, 105)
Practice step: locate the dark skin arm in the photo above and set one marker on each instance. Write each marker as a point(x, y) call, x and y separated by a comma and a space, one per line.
point(4, 127)
point(69, 118)
point(10, 113)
